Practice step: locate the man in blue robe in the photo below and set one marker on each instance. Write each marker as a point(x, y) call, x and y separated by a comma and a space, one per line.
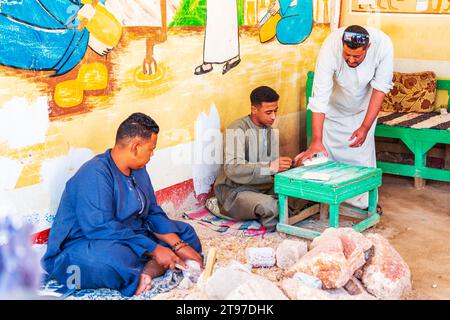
point(42, 34)
point(108, 226)
point(296, 20)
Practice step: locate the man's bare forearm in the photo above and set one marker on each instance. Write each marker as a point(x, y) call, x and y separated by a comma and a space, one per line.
point(317, 126)
point(374, 108)
point(169, 238)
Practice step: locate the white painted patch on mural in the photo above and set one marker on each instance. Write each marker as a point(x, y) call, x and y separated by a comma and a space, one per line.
point(421, 5)
point(170, 166)
point(39, 202)
point(9, 173)
point(57, 171)
point(141, 12)
point(23, 124)
point(207, 150)
point(199, 160)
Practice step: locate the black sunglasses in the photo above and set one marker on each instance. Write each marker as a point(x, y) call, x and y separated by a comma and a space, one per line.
point(355, 38)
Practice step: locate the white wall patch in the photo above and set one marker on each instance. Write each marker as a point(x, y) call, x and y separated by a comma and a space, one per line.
point(9, 173)
point(22, 123)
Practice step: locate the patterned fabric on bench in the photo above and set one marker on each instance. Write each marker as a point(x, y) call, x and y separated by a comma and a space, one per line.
point(431, 120)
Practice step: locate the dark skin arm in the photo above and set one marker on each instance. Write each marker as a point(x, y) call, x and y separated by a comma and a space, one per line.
point(316, 143)
point(372, 112)
point(167, 258)
point(359, 135)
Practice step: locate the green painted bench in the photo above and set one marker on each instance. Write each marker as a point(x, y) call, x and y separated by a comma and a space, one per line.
point(419, 141)
point(346, 181)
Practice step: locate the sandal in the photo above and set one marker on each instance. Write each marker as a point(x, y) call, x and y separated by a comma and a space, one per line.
point(228, 66)
point(201, 70)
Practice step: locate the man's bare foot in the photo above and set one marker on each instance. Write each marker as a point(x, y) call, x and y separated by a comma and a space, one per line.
point(145, 284)
point(151, 270)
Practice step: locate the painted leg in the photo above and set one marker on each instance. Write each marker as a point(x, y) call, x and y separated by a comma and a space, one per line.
point(419, 183)
point(334, 215)
point(283, 205)
point(373, 200)
point(374, 217)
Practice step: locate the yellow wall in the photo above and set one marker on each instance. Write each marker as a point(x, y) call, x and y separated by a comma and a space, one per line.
point(174, 97)
point(415, 36)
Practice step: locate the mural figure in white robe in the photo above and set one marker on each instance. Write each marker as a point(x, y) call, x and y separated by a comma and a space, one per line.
point(221, 44)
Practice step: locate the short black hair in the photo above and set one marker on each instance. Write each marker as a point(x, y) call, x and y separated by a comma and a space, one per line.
point(355, 37)
point(137, 125)
point(263, 94)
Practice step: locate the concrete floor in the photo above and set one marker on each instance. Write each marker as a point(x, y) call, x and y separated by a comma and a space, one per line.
point(417, 224)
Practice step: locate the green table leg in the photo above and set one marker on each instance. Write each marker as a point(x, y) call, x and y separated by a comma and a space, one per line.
point(334, 215)
point(374, 217)
point(373, 200)
point(283, 207)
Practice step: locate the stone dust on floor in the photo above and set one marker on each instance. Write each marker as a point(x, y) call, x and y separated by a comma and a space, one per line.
point(416, 223)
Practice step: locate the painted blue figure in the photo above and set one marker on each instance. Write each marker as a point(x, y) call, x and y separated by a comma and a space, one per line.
point(109, 231)
point(296, 20)
point(42, 34)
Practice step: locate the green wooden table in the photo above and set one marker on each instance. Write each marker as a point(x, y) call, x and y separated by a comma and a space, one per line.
point(346, 181)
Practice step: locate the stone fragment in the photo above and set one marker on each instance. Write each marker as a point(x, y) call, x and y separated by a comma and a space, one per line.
point(308, 280)
point(296, 290)
point(386, 275)
point(326, 262)
point(260, 257)
point(354, 245)
point(257, 288)
point(289, 252)
point(355, 287)
point(226, 279)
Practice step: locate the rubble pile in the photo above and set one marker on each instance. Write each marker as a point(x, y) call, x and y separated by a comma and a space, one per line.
point(341, 264)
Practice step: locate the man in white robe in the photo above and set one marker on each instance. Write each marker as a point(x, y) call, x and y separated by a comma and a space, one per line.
point(221, 44)
point(353, 73)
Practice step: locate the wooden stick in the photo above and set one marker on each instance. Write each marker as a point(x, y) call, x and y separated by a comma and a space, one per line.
point(210, 261)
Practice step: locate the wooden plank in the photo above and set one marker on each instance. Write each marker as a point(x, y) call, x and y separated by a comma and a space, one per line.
point(296, 231)
point(304, 214)
point(419, 183)
point(324, 211)
point(345, 210)
point(397, 147)
point(367, 223)
point(209, 265)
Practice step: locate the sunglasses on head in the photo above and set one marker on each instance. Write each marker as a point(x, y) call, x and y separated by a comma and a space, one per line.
point(355, 38)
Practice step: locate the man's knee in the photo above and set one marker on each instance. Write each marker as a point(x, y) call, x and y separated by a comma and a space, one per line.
point(267, 207)
point(188, 235)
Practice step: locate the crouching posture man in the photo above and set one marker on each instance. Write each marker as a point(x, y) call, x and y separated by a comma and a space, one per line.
point(244, 186)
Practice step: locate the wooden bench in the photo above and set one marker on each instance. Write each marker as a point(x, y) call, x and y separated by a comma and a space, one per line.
point(419, 141)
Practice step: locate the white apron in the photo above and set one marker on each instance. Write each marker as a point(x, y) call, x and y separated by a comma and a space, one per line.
point(343, 93)
point(222, 34)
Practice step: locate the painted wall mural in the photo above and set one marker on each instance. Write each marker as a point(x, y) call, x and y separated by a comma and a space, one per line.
point(72, 70)
point(221, 44)
point(401, 6)
point(289, 20)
